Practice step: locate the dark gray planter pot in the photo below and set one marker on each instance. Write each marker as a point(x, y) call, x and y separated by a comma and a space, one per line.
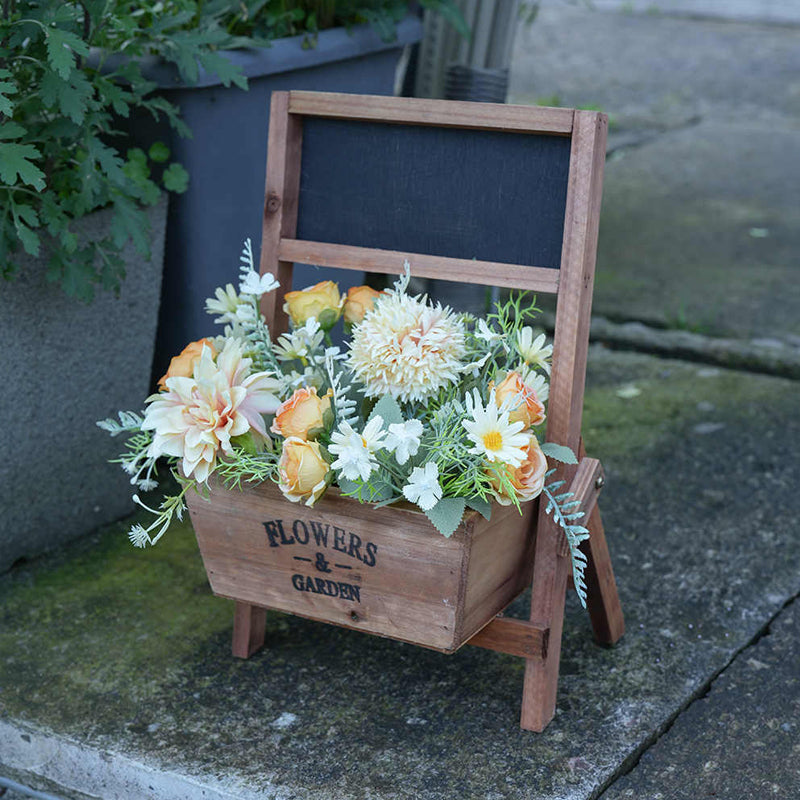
point(65, 366)
point(226, 160)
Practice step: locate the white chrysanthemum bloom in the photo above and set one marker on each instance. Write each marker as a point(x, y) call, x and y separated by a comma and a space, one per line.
point(256, 284)
point(356, 451)
point(404, 439)
point(423, 486)
point(406, 348)
point(493, 435)
point(197, 417)
point(225, 303)
point(534, 351)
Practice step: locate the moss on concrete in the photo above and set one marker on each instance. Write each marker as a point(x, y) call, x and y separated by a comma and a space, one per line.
point(127, 651)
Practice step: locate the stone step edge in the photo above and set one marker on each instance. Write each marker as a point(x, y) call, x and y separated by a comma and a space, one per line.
point(766, 356)
point(51, 763)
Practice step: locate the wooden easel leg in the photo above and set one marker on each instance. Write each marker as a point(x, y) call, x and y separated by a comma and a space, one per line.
point(249, 628)
point(602, 599)
point(550, 571)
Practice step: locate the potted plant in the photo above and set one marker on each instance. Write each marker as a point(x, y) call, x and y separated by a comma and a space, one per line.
point(326, 45)
point(280, 447)
point(77, 213)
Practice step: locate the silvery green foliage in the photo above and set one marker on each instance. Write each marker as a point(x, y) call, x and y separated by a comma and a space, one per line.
point(344, 407)
point(128, 421)
point(563, 512)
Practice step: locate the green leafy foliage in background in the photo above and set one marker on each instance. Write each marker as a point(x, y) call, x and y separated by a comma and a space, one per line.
point(69, 74)
point(60, 103)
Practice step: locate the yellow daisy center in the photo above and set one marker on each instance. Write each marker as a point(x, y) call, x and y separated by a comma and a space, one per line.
point(493, 440)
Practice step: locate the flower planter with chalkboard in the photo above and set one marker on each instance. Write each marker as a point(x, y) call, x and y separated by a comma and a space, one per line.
point(385, 571)
point(415, 411)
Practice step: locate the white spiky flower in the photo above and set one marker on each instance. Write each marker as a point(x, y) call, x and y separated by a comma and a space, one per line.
point(535, 381)
point(225, 303)
point(494, 436)
point(534, 352)
point(406, 348)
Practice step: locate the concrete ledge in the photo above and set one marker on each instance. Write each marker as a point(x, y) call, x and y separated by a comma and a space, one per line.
point(117, 662)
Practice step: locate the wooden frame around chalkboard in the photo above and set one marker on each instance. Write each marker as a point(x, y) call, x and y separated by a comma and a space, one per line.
point(538, 640)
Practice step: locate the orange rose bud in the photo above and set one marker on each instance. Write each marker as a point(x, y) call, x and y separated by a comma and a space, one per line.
point(528, 478)
point(301, 413)
point(302, 471)
point(182, 366)
point(322, 301)
point(359, 300)
point(526, 408)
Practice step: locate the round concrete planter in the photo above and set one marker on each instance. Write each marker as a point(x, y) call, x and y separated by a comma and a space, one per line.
point(226, 160)
point(65, 365)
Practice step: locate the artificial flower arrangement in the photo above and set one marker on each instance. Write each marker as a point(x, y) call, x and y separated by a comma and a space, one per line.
point(424, 406)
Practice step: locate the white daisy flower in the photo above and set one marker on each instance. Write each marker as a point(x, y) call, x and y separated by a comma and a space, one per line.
point(423, 486)
point(225, 303)
point(256, 284)
point(404, 439)
point(356, 451)
point(494, 436)
point(533, 351)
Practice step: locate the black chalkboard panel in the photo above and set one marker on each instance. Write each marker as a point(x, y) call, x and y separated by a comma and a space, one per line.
point(488, 195)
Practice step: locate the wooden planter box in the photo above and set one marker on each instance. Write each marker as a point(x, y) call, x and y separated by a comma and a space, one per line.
point(386, 571)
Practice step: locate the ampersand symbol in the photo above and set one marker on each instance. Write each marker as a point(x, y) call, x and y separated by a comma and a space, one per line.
point(321, 564)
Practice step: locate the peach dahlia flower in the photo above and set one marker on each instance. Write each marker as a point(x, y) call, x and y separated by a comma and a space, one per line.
point(196, 417)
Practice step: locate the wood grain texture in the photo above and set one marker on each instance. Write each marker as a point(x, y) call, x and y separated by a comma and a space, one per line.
point(280, 205)
point(390, 262)
point(585, 487)
point(602, 596)
point(384, 571)
point(574, 306)
point(517, 637)
point(249, 623)
point(415, 111)
point(565, 405)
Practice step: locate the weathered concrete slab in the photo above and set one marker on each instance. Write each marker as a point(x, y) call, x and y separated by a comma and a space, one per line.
point(700, 225)
point(769, 11)
point(650, 70)
point(741, 740)
point(120, 659)
point(700, 231)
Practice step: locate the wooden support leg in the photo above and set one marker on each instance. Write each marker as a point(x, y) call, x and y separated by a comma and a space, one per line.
point(602, 598)
point(249, 627)
point(550, 571)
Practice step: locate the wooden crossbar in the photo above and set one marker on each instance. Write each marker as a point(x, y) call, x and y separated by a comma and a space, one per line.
point(414, 111)
point(517, 637)
point(462, 270)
